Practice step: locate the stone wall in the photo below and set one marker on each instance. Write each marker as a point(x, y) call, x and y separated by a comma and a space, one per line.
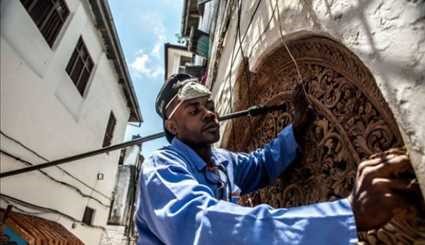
point(388, 36)
point(363, 66)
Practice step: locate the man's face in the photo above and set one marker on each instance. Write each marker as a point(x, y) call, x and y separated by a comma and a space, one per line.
point(195, 122)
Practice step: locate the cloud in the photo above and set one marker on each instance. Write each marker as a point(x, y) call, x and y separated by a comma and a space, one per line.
point(153, 24)
point(159, 32)
point(144, 65)
point(149, 62)
point(157, 47)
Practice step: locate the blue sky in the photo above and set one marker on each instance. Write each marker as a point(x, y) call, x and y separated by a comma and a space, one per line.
point(143, 28)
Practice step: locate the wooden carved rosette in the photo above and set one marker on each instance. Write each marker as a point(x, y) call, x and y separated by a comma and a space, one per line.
point(352, 122)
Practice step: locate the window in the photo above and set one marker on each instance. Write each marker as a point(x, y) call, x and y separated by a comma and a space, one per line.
point(80, 66)
point(109, 130)
point(183, 62)
point(122, 156)
point(48, 15)
point(88, 216)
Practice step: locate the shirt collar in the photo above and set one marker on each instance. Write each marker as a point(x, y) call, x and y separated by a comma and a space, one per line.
point(193, 157)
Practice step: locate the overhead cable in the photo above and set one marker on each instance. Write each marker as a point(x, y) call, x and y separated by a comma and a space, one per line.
point(45, 159)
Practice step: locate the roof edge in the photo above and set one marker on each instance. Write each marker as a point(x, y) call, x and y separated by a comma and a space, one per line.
point(105, 24)
point(166, 47)
point(184, 14)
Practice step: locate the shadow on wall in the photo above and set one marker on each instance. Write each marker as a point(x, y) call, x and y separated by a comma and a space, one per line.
point(391, 37)
point(338, 22)
point(366, 27)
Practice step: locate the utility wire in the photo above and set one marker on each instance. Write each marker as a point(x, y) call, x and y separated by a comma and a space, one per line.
point(229, 78)
point(25, 211)
point(240, 48)
point(262, 33)
point(54, 179)
point(283, 40)
point(224, 26)
point(47, 160)
point(233, 57)
point(237, 38)
point(91, 193)
point(26, 204)
point(225, 23)
point(252, 111)
point(239, 28)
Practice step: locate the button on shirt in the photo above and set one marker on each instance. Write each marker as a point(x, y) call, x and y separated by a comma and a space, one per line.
point(179, 204)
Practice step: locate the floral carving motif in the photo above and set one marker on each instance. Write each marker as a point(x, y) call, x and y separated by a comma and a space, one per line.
point(352, 122)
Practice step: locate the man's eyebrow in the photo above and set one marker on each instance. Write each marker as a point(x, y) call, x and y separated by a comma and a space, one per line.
point(191, 103)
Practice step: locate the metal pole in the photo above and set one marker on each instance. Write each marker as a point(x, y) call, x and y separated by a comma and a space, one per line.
point(252, 111)
point(137, 141)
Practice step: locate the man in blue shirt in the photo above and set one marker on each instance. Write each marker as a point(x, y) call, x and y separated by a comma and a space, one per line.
point(189, 190)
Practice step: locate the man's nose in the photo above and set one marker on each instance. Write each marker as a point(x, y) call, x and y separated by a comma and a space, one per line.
point(209, 115)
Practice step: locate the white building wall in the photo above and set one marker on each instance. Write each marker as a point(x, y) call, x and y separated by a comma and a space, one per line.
point(132, 155)
point(41, 108)
point(174, 58)
point(116, 236)
point(388, 36)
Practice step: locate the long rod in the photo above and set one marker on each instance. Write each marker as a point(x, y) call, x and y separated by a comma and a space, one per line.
point(252, 111)
point(82, 155)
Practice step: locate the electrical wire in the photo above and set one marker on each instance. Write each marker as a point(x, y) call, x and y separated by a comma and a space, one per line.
point(54, 179)
point(282, 38)
point(245, 62)
point(23, 203)
point(266, 28)
point(238, 37)
point(247, 28)
point(224, 25)
point(47, 160)
point(23, 210)
point(229, 78)
point(235, 52)
point(239, 29)
point(240, 48)
point(91, 193)
point(220, 45)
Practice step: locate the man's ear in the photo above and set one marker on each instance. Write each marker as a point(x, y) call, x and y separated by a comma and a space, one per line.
point(171, 126)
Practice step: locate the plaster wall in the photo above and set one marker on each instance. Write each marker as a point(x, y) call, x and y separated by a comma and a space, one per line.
point(388, 36)
point(42, 109)
point(174, 58)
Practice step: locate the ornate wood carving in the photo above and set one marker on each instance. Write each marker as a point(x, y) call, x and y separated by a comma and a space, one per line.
point(352, 122)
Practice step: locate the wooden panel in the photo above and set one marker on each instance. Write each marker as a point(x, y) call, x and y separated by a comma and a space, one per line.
point(35, 230)
point(352, 122)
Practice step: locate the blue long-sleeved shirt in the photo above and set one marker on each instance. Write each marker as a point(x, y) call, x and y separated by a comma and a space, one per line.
point(179, 203)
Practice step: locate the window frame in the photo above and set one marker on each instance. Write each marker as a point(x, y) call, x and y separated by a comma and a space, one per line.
point(49, 18)
point(88, 215)
point(110, 129)
point(80, 63)
point(121, 159)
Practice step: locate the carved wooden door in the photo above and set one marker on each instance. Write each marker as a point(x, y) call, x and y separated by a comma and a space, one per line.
point(352, 122)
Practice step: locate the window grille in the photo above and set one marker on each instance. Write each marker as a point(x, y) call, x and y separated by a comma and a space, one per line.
point(48, 15)
point(107, 140)
point(88, 216)
point(80, 66)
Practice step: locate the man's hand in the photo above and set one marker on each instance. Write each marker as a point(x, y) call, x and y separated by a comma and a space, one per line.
point(378, 191)
point(302, 113)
